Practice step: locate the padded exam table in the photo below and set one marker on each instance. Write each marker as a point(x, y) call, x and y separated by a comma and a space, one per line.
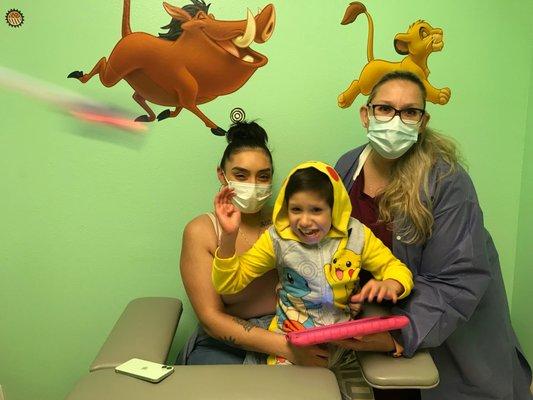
point(146, 329)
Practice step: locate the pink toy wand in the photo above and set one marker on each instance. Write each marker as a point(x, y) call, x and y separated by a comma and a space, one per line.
point(346, 330)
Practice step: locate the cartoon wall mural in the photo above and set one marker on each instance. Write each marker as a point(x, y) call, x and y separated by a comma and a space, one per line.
point(420, 40)
point(197, 60)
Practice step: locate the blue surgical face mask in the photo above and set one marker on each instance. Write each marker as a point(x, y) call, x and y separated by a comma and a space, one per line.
point(393, 138)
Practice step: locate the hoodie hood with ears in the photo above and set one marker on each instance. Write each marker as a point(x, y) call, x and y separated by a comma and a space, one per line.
point(340, 214)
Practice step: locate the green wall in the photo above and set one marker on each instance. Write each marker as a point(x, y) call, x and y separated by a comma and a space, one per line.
point(521, 312)
point(92, 218)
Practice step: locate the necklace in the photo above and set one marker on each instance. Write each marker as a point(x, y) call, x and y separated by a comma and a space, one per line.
point(245, 238)
point(263, 223)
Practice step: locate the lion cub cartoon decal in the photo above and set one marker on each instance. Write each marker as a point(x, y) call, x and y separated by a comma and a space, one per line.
point(420, 40)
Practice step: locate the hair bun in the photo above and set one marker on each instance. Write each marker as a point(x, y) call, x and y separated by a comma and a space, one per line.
point(247, 132)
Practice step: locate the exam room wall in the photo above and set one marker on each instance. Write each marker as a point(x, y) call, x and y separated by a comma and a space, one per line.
point(92, 218)
point(523, 278)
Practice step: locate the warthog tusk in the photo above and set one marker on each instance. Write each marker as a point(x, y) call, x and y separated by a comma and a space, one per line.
point(249, 34)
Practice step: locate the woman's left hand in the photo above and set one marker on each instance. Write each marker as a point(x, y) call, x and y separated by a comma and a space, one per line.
point(382, 342)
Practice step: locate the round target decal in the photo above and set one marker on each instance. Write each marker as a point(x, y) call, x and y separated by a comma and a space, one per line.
point(237, 115)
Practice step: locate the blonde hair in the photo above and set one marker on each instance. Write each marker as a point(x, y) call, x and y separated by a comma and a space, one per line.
point(401, 203)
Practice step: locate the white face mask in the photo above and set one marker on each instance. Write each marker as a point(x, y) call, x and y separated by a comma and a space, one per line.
point(249, 197)
point(393, 138)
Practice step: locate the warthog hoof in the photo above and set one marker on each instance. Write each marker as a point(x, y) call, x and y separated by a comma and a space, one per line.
point(163, 115)
point(218, 131)
point(75, 74)
point(143, 118)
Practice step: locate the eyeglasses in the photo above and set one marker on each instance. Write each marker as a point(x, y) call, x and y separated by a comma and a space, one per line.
point(385, 113)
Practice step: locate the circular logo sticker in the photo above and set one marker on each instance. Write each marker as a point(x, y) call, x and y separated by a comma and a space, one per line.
point(14, 18)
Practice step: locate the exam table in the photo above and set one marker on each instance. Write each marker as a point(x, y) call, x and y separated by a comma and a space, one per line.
point(146, 329)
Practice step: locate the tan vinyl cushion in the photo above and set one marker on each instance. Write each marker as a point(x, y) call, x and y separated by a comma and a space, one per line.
point(383, 371)
point(145, 330)
point(213, 382)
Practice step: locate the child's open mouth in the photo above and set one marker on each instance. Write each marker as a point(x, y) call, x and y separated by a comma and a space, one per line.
point(310, 233)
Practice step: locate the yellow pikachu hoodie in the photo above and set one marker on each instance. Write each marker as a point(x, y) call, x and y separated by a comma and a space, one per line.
point(315, 281)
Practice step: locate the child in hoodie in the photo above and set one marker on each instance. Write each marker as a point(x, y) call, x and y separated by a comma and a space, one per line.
point(317, 248)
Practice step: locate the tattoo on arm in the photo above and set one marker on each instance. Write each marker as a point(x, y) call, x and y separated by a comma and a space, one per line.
point(230, 341)
point(247, 325)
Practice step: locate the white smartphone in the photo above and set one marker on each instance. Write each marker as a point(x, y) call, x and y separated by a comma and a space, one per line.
point(145, 370)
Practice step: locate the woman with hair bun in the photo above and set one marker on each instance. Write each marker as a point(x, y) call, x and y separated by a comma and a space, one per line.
point(231, 325)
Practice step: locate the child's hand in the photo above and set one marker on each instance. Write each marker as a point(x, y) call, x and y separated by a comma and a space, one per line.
point(228, 215)
point(388, 289)
point(354, 308)
point(381, 341)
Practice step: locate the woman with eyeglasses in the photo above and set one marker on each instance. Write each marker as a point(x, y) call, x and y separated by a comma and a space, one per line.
point(408, 186)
